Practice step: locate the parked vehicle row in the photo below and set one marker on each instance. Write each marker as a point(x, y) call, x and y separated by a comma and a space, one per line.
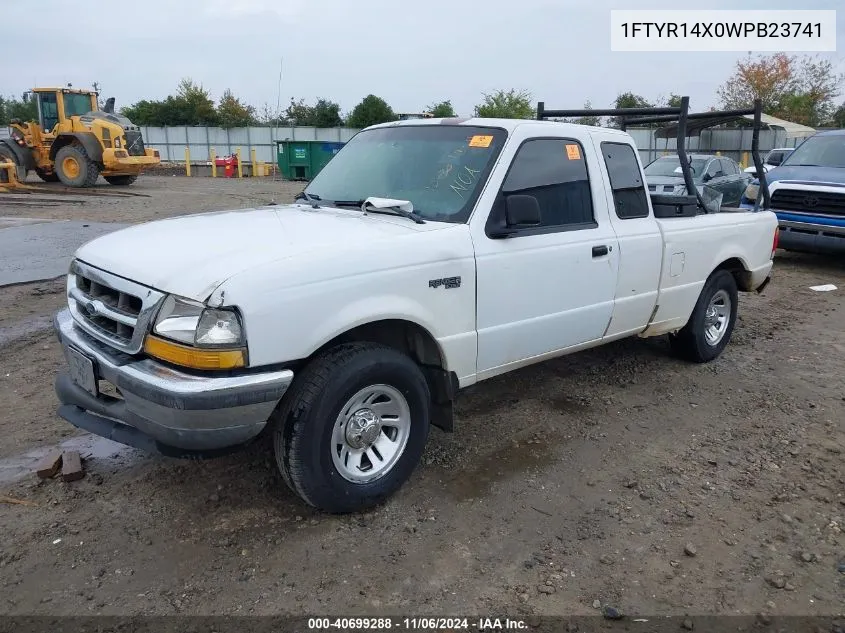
point(807, 193)
point(718, 173)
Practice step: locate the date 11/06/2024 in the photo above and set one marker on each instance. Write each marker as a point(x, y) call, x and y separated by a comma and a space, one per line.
point(417, 624)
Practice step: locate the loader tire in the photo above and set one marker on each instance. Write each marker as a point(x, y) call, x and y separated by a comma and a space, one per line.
point(74, 168)
point(121, 181)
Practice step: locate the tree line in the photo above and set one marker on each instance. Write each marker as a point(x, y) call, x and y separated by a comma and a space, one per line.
point(799, 89)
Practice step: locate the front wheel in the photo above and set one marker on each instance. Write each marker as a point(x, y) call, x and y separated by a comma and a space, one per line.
point(74, 168)
point(353, 427)
point(711, 324)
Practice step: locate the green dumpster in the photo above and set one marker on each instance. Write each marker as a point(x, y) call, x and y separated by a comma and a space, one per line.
point(302, 160)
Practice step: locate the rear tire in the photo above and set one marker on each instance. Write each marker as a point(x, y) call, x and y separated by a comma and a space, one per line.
point(75, 168)
point(121, 181)
point(711, 324)
point(353, 427)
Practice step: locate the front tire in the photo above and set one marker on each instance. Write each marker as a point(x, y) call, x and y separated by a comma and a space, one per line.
point(711, 324)
point(353, 427)
point(75, 168)
point(122, 181)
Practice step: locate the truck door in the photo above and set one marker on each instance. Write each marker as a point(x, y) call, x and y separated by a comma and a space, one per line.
point(640, 241)
point(545, 288)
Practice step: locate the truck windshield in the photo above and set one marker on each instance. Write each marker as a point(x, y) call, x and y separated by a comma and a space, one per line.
point(819, 151)
point(671, 166)
point(439, 168)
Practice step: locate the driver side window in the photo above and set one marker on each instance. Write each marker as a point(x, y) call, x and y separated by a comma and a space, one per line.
point(554, 172)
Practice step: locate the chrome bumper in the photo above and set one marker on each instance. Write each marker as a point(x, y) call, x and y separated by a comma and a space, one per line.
point(161, 408)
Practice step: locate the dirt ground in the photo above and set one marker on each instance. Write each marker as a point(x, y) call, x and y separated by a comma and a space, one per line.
point(615, 477)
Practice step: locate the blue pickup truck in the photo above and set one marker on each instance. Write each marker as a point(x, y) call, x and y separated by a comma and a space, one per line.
point(807, 194)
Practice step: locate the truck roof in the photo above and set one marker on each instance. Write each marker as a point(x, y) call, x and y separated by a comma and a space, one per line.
point(507, 124)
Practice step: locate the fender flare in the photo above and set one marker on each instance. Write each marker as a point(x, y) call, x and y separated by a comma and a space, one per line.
point(23, 157)
point(92, 146)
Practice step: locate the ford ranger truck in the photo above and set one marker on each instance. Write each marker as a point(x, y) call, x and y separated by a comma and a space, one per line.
point(808, 195)
point(427, 256)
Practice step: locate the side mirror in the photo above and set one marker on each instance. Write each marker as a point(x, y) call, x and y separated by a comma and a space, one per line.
point(775, 161)
point(707, 177)
point(522, 211)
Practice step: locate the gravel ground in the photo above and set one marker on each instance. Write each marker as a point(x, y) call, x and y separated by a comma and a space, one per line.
point(618, 477)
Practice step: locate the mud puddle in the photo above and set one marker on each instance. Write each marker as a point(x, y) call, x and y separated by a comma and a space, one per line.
point(519, 458)
point(90, 447)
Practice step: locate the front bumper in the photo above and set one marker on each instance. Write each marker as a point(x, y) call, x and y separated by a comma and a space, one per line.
point(160, 408)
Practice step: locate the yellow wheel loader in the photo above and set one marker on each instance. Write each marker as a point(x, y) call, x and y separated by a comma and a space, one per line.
point(74, 141)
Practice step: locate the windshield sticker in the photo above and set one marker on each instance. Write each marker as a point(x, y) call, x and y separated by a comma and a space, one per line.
point(465, 178)
point(573, 152)
point(480, 141)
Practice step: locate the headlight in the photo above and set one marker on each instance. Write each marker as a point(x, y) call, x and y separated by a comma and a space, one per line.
point(192, 323)
point(188, 333)
point(751, 191)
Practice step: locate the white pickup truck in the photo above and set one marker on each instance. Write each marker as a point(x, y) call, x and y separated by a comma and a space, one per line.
point(425, 257)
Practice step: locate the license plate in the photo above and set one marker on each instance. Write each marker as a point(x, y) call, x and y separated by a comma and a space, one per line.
point(82, 370)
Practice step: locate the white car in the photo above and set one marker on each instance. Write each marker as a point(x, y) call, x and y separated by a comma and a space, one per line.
point(428, 255)
point(774, 158)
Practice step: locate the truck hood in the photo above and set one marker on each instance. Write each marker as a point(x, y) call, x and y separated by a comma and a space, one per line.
point(192, 255)
point(806, 174)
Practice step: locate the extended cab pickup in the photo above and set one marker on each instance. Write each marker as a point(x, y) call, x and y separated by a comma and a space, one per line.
point(425, 257)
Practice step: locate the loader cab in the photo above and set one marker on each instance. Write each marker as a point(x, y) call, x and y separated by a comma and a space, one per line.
point(57, 105)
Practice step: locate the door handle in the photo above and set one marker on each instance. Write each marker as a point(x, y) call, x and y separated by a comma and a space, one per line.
point(599, 251)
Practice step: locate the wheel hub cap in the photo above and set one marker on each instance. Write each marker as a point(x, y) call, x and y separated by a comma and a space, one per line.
point(363, 429)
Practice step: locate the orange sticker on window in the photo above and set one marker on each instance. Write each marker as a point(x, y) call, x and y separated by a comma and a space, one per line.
point(573, 152)
point(480, 141)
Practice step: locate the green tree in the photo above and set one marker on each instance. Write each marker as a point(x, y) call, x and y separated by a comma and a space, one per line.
point(371, 111)
point(195, 103)
point(24, 108)
point(506, 104)
point(326, 114)
point(838, 118)
point(233, 113)
point(299, 114)
point(442, 110)
point(674, 101)
point(629, 100)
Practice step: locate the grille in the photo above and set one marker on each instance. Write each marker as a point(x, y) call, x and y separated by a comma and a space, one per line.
point(134, 143)
point(816, 202)
point(110, 308)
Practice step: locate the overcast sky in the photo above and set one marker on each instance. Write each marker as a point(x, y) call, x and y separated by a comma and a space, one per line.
point(410, 53)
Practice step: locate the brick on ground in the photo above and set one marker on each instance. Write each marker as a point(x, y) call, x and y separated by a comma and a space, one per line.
point(72, 466)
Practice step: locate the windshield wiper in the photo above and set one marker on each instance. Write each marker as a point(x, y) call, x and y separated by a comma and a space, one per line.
point(411, 215)
point(312, 199)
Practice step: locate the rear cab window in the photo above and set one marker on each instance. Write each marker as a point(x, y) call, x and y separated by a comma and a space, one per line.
point(629, 193)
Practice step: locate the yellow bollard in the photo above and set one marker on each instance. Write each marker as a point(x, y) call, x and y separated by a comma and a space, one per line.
point(744, 160)
point(187, 161)
point(718, 152)
point(240, 167)
point(213, 163)
point(254, 162)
